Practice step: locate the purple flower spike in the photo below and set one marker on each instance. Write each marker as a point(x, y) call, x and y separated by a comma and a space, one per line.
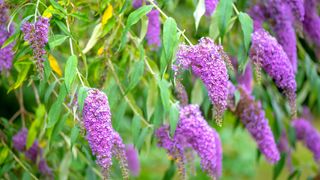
point(137, 3)
point(258, 14)
point(20, 139)
point(210, 6)
point(104, 141)
point(309, 135)
point(6, 54)
point(268, 53)
point(133, 160)
point(154, 29)
point(207, 61)
point(193, 132)
point(297, 8)
point(311, 23)
point(253, 118)
point(37, 35)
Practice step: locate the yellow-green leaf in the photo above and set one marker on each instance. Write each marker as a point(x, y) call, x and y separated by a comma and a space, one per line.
point(54, 64)
point(107, 15)
point(94, 38)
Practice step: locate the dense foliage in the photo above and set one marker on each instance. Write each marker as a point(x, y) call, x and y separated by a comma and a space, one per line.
point(166, 89)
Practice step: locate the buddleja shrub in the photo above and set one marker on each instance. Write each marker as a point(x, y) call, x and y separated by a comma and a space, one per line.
point(149, 89)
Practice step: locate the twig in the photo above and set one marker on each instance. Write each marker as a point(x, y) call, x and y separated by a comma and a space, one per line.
point(36, 94)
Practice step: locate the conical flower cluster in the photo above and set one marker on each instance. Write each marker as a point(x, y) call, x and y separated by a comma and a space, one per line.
point(268, 53)
point(104, 141)
point(253, 118)
point(34, 153)
point(193, 132)
point(207, 61)
point(6, 54)
point(133, 159)
point(154, 25)
point(311, 22)
point(297, 8)
point(37, 35)
point(309, 135)
point(210, 6)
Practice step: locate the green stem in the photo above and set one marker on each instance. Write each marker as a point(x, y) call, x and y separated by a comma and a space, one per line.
point(36, 11)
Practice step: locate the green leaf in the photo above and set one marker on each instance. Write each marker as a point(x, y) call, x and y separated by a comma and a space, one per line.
point(70, 71)
point(10, 39)
point(63, 27)
point(279, 166)
point(141, 138)
point(82, 94)
point(74, 134)
point(164, 94)
point(237, 97)
point(170, 38)
point(197, 93)
point(54, 112)
point(35, 126)
point(64, 166)
point(97, 31)
point(133, 18)
point(3, 154)
point(247, 29)
point(214, 27)
point(136, 73)
point(23, 69)
point(47, 70)
point(58, 6)
point(152, 98)
point(224, 13)
point(199, 12)
point(56, 40)
point(173, 118)
point(136, 127)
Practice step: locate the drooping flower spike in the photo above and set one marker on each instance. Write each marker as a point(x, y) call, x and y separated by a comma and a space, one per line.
point(37, 35)
point(6, 53)
point(311, 22)
point(267, 52)
point(306, 133)
point(34, 153)
point(133, 159)
point(207, 61)
point(297, 8)
point(253, 118)
point(210, 6)
point(193, 132)
point(104, 141)
point(154, 25)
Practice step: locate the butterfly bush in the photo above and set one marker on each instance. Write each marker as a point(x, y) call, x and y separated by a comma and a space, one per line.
point(297, 8)
point(281, 15)
point(34, 153)
point(154, 25)
point(267, 52)
point(207, 61)
point(37, 35)
point(104, 141)
point(133, 159)
point(253, 118)
point(311, 22)
point(193, 132)
point(210, 6)
point(306, 133)
point(258, 14)
point(6, 53)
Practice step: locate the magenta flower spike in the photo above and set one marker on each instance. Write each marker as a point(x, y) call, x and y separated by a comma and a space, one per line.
point(210, 6)
point(133, 159)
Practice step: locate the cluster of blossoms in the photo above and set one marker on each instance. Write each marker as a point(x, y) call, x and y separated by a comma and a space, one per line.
point(193, 132)
point(34, 153)
point(37, 35)
point(311, 23)
point(6, 54)
point(104, 141)
point(133, 160)
point(254, 120)
point(309, 135)
point(154, 25)
point(207, 61)
point(210, 6)
point(267, 53)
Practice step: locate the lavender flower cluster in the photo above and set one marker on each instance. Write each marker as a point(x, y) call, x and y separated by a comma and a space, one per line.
point(210, 6)
point(311, 23)
point(267, 53)
point(154, 25)
point(37, 35)
point(34, 153)
point(6, 53)
point(104, 141)
point(193, 132)
point(207, 61)
point(133, 159)
point(253, 118)
point(309, 135)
